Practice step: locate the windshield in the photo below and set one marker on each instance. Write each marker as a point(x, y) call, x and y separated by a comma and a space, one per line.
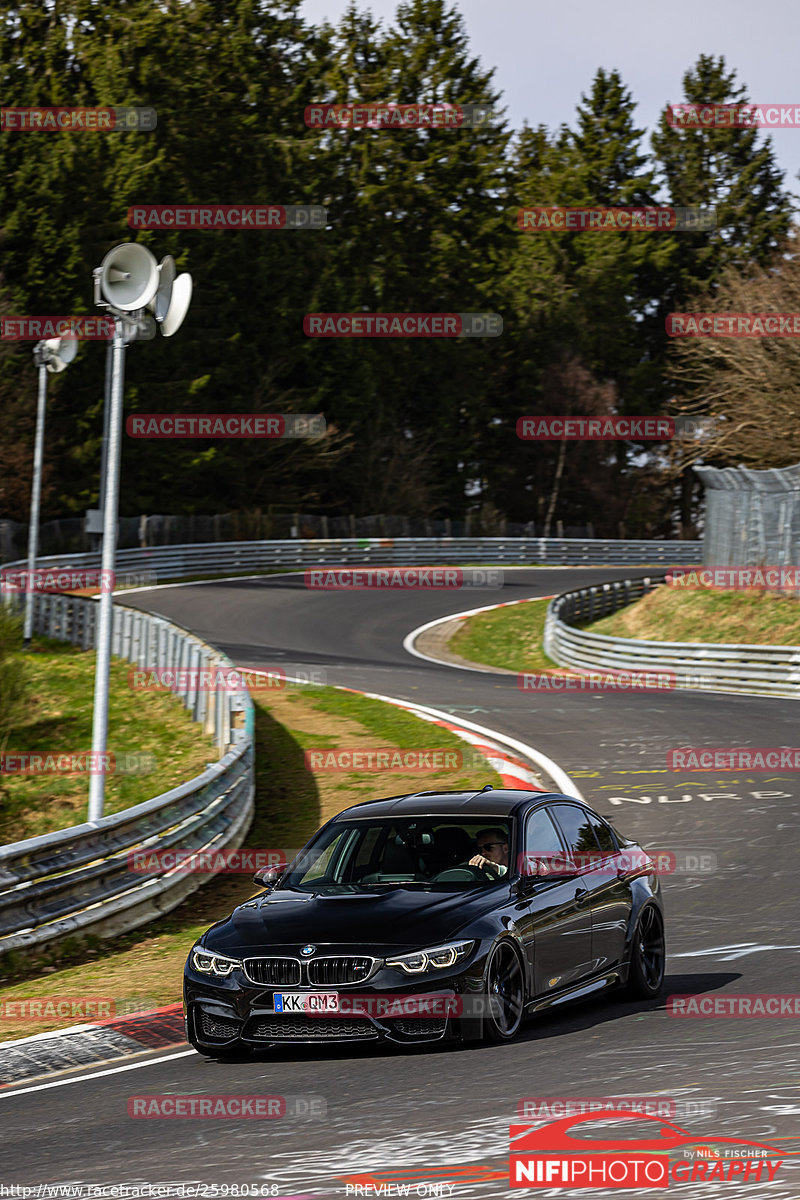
point(440, 852)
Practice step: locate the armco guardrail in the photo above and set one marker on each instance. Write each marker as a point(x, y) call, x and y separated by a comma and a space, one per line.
point(160, 563)
point(79, 880)
point(773, 670)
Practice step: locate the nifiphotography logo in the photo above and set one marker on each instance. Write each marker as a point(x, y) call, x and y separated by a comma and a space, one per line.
point(551, 1156)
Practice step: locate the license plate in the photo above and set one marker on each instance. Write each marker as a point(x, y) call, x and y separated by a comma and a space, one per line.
point(316, 1002)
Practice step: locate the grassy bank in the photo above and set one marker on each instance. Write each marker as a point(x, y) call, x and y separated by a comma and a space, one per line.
point(56, 718)
point(672, 615)
point(508, 637)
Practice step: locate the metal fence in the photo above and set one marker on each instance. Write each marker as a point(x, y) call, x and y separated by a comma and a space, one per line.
point(771, 670)
point(81, 880)
point(160, 563)
point(752, 517)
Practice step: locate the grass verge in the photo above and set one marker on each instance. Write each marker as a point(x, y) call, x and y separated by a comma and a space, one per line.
point(508, 637)
point(56, 718)
point(143, 969)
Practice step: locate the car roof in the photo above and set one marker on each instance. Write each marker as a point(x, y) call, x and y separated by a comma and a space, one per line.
point(497, 802)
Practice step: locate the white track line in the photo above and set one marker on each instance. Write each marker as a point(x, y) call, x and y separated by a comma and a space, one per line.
point(41, 1087)
point(560, 778)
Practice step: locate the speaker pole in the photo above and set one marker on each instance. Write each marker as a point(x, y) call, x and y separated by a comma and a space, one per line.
point(98, 541)
point(36, 490)
point(97, 779)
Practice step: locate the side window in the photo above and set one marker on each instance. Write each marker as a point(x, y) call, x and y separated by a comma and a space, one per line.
point(321, 867)
point(541, 842)
point(603, 834)
point(367, 847)
point(577, 828)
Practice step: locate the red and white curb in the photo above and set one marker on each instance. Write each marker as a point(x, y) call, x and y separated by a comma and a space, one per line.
point(85, 1045)
point(513, 772)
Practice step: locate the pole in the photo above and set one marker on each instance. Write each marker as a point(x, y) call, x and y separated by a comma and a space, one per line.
point(33, 528)
point(97, 778)
point(106, 415)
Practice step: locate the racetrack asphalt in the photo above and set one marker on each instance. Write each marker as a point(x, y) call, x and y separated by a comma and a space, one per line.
point(731, 928)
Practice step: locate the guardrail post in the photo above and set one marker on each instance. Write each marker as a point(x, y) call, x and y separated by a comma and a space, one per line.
point(192, 685)
point(219, 719)
point(210, 726)
point(183, 665)
point(201, 702)
point(226, 721)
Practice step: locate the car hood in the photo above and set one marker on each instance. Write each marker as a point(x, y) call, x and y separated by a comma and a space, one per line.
point(391, 919)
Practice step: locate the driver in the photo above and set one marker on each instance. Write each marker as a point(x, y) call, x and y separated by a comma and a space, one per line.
point(492, 853)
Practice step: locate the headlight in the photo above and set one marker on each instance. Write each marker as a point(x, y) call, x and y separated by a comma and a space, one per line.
point(437, 957)
point(212, 964)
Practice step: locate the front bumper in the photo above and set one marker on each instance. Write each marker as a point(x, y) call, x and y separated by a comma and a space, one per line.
point(233, 1011)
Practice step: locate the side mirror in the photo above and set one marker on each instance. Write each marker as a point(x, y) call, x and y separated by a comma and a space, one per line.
point(546, 866)
point(269, 876)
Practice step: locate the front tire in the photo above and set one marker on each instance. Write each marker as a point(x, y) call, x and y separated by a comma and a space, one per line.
point(648, 955)
point(505, 982)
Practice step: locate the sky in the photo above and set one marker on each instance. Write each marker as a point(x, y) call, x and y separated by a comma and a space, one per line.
point(546, 55)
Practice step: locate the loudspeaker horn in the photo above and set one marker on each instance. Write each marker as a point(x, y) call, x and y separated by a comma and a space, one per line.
point(178, 305)
point(159, 305)
point(59, 352)
point(129, 277)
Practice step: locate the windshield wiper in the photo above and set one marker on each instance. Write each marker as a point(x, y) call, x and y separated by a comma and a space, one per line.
point(397, 883)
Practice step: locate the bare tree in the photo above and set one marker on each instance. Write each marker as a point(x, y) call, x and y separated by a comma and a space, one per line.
point(748, 388)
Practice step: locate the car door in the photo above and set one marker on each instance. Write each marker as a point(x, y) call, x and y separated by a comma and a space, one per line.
point(611, 901)
point(592, 844)
point(558, 920)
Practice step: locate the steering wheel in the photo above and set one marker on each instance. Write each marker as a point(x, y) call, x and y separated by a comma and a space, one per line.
point(462, 873)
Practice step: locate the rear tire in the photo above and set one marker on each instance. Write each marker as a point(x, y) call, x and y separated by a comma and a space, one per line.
point(648, 954)
point(505, 981)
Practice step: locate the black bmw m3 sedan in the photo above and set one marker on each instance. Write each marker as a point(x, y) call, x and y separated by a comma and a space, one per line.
point(430, 916)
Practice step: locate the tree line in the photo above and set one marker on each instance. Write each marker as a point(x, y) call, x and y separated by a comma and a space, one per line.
point(421, 220)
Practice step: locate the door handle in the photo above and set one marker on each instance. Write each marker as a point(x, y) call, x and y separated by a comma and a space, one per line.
point(581, 895)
